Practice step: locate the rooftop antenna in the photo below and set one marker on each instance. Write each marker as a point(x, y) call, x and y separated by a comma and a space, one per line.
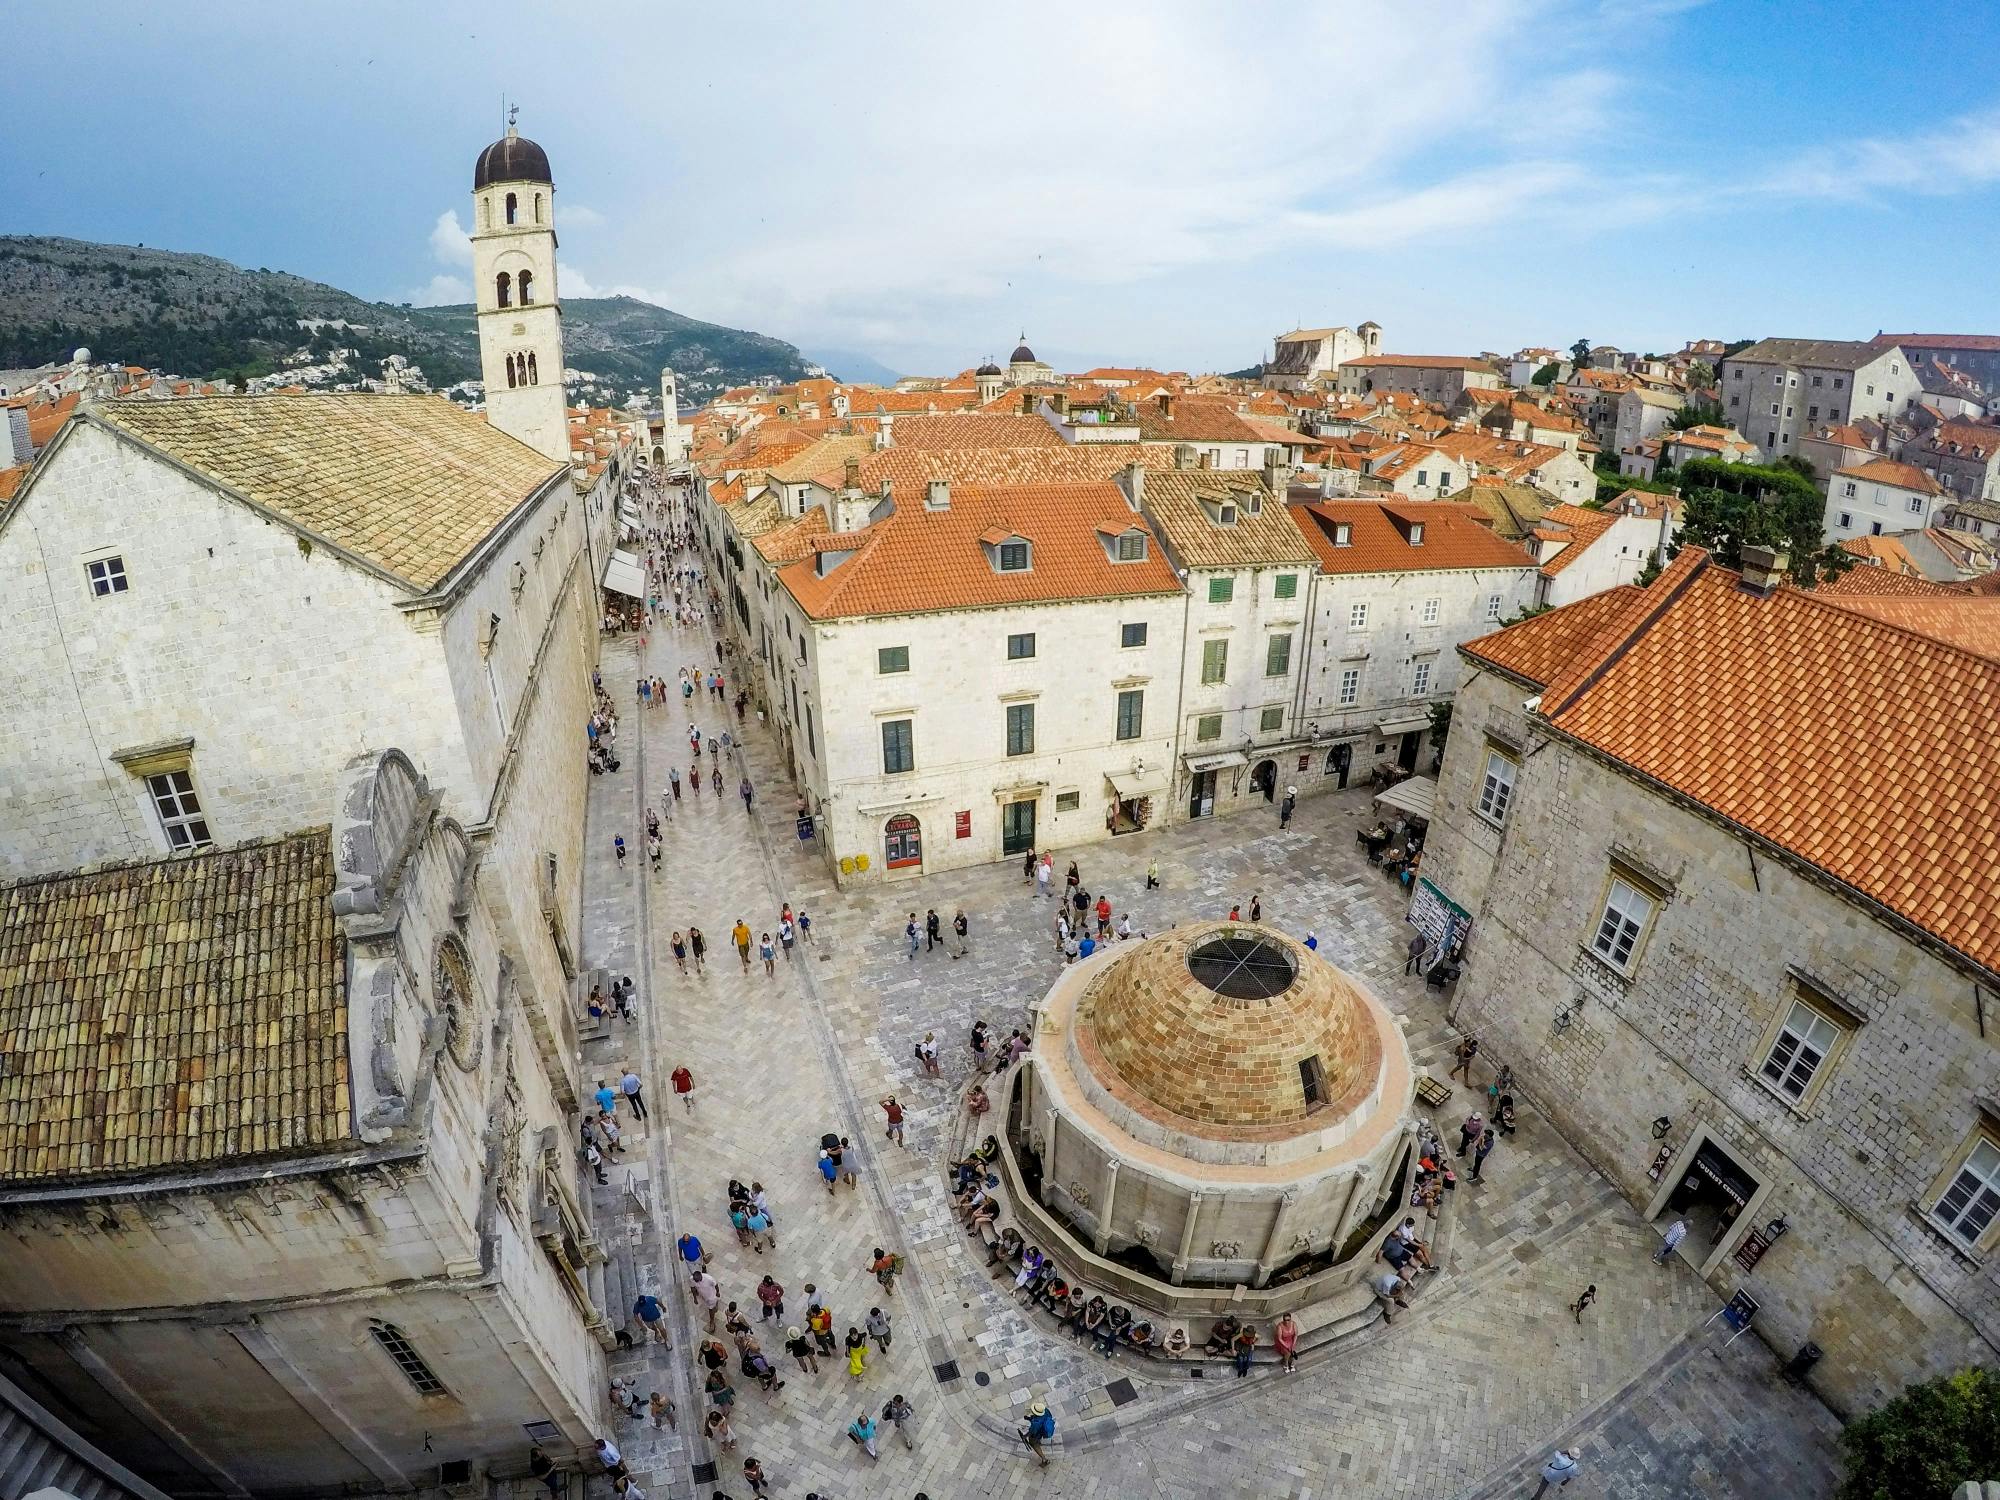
point(513, 113)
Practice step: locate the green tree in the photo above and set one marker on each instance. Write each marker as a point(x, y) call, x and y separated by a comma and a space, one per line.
point(1546, 375)
point(1579, 352)
point(1695, 414)
point(1701, 373)
point(1799, 466)
point(1440, 725)
point(1926, 1442)
point(1733, 506)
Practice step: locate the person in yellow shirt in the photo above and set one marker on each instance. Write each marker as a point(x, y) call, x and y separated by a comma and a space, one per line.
point(740, 933)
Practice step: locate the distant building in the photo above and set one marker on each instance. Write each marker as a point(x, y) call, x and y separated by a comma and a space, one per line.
point(1442, 378)
point(1878, 496)
point(1313, 356)
point(1977, 354)
point(1778, 390)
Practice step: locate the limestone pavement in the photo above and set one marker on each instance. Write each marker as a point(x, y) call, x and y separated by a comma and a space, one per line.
point(1461, 1397)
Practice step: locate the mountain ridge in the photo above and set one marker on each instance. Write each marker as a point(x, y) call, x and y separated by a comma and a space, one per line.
point(195, 314)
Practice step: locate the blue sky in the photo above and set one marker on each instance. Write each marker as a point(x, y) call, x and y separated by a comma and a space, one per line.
point(1159, 183)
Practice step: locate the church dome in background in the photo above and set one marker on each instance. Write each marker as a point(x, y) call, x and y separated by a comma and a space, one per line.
point(513, 158)
point(1023, 355)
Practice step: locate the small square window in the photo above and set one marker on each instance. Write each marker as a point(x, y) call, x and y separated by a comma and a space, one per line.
point(1357, 617)
point(1132, 635)
point(1021, 647)
point(1431, 611)
point(1013, 557)
point(1916, 504)
point(1287, 586)
point(892, 659)
point(1208, 727)
point(1620, 925)
point(107, 576)
point(1343, 534)
point(1068, 801)
point(179, 810)
point(1271, 720)
point(1221, 590)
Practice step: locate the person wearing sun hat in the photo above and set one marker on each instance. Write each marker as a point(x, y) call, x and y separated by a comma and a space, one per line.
point(1041, 1427)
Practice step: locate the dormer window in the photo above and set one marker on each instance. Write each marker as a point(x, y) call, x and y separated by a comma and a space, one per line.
point(1131, 547)
point(1225, 514)
point(1343, 534)
point(1013, 557)
point(1416, 533)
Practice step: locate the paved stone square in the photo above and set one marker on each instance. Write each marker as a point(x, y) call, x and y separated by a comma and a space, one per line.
point(1463, 1396)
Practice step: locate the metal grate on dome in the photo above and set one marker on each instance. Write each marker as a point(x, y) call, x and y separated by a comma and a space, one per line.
point(1243, 968)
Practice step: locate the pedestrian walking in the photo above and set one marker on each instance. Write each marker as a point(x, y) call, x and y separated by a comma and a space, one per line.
point(697, 948)
point(958, 930)
point(708, 1292)
point(886, 1268)
point(829, 1170)
point(595, 1160)
point(609, 1456)
point(759, 1222)
point(819, 1320)
point(1246, 1345)
point(933, 929)
point(692, 1254)
point(862, 1432)
point(1256, 908)
point(897, 1413)
point(1044, 873)
point(1285, 1339)
point(662, 1409)
point(1285, 808)
point(1152, 874)
point(743, 791)
point(772, 1296)
point(606, 1097)
point(800, 1348)
point(740, 935)
point(768, 951)
point(857, 1351)
point(1468, 1049)
point(910, 932)
point(1414, 955)
point(618, 843)
point(846, 1167)
point(680, 953)
point(1103, 916)
point(805, 927)
point(683, 1082)
point(543, 1468)
point(653, 850)
point(718, 1430)
point(753, 1475)
point(1480, 1153)
point(877, 1324)
point(634, 1100)
point(652, 1317)
point(1040, 1429)
point(927, 1054)
point(1558, 1471)
point(895, 1113)
point(1389, 1290)
point(1589, 1296)
point(1470, 1132)
point(787, 935)
point(1676, 1232)
point(674, 781)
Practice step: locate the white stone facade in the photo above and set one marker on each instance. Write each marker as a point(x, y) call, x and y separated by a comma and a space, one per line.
point(1860, 506)
point(1774, 402)
point(520, 320)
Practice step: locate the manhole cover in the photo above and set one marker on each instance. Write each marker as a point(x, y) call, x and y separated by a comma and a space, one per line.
point(1121, 1392)
point(980, 1377)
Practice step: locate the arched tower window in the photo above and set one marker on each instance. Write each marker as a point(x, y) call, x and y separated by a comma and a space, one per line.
point(534, 377)
point(486, 212)
point(538, 208)
point(513, 209)
point(527, 280)
point(510, 373)
point(504, 284)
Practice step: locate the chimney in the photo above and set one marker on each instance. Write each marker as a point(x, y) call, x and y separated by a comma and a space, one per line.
point(938, 496)
point(1060, 402)
point(1277, 473)
point(1764, 569)
point(1184, 455)
point(1027, 403)
point(1132, 480)
point(1166, 401)
point(850, 474)
point(885, 431)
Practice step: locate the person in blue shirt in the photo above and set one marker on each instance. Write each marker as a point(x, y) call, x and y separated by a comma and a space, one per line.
point(691, 1251)
point(1087, 947)
point(653, 1316)
point(607, 1097)
point(829, 1171)
point(1312, 940)
point(862, 1430)
point(1041, 1427)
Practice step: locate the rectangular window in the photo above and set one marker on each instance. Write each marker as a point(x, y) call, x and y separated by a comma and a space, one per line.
point(898, 746)
point(1969, 1202)
point(1916, 504)
point(1838, 382)
point(1816, 380)
point(1287, 586)
point(892, 659)
point(1131, 547)
point(1013, 557)
point(1221, 590)
point(411, 1363)
point(1627, 909)
point(1431, 611)
point(1350, 684)
point(1846, 520)
point(1496, 790)
point(1312, 1081)
point(1420, 679)
point(1214, 660)
point(1131, 714)
point(1021, 647)
point(1803, 1043)
point(1068, 801)
point(1271, 720)
point(1357, 617)
point(1208, 727)
point(1132, 635)
point(1278, 655)
point(179, 810)
point(1492, 606)
point(1020, 729)
point(107, 576)
point(1812, 413)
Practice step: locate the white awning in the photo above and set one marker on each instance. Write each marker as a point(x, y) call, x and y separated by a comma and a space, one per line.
point(1416, 797)
point(623, 575)
point(1403, 726)
point(1218, 762)
point(629, 513)
point(1130, 784)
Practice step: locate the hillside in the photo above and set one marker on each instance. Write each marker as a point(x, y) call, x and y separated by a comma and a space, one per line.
point(199, 316)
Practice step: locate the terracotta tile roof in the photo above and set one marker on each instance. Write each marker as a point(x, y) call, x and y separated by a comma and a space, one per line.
point(1812, 724)
point(162, 1015)
point(908, 470)
point(1421, 362)
point(1195, 419)
point(1573, 526)
point(1510, 509)
point(920, 561)
point(411, 484)
point(1537, 648)
point(10, 481)
point(45, 421)
point(1888, 471)
point(1454, 537)
point(1886, 551)
point(866, 400)
point(1968, 621)
point(1510, 458)
point(1973, 440)
point(822, 463)
point(1870, 577)
point(1847, 435)
point(978, 429)
point(1173, 500)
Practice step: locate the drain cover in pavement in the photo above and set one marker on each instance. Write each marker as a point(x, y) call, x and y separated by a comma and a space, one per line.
point(1197, 1373)
point(704, 1473)
point(1121, 1392)
point(946, 1371)
point(980, 1377)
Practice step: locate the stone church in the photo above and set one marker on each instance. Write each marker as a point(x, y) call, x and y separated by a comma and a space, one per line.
point(291, 804)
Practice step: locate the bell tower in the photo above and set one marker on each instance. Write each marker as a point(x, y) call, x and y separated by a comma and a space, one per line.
point(514, 290)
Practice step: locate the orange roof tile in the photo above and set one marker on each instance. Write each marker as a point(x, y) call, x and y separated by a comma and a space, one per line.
point(1574, 526)
point(921, 561)
point(10, 481)
point(1454, 537)
point(975, 429)
point(1872, 578)
point(45, 421)
point(1536, 649)
point(1888, 471)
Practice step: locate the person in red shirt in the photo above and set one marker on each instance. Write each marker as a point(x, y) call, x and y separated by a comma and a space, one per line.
point(895, 1113)
point(1103, 915)
point(683, 1082)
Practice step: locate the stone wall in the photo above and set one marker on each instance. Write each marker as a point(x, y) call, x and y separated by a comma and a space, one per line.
point(1739, 934)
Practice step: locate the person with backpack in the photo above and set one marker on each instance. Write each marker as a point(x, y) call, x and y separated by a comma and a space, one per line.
point(886, 1266)
point(1040, 1429)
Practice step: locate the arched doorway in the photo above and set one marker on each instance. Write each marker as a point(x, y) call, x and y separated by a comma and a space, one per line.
point(903, 843)
point(1264, 778)
point(659, 456)
point(1339, 761)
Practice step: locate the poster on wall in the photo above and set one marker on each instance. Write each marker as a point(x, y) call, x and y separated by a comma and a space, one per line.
point(1442, 921)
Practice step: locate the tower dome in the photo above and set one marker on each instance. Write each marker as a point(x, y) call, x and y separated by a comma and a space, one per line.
point(1023, 355)
point(512, 158)
point(989, 368)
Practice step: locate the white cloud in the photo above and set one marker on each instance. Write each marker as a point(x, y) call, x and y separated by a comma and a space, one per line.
point(441, 290)
point(450, 242)
point(1956, 158)
point(576, 216)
